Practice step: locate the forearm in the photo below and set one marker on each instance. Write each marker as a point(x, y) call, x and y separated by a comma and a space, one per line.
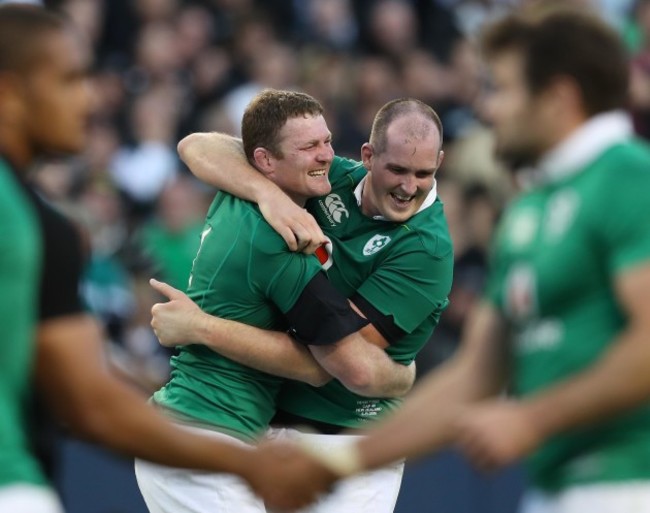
point(73, 376)
point(387, 378)
point(392, 379)
point(617, 382)
point(121, 419)
point(426, 420)
point(219, 160)
point(268, 351)
point(365, 368)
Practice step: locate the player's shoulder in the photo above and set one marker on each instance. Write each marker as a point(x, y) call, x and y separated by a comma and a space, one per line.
point(428, 231)
point(631, 157)
point(243, 220)
point(345, 172)
point(622, 170)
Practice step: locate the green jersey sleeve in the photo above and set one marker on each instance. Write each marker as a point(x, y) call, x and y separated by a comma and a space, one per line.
point(623, 228)
point(410, 285)
point(280, 273)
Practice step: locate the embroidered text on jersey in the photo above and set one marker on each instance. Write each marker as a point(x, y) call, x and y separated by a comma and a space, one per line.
point(375, 243)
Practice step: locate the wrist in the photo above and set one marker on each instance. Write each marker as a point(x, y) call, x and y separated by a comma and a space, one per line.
point(342, 461)
point(265, 192)
point(540, 419)
point(198, 328)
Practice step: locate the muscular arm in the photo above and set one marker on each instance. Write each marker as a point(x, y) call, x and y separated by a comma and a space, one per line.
point(425, 422)
point(497, 433)
point(218, 159)
point(180, 321)
point(73, 377)
point(357, 360)
point(359, 364)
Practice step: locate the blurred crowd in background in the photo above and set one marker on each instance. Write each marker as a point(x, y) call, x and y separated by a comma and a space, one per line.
point(165, 68)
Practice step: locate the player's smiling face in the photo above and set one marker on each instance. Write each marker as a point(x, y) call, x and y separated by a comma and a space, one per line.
point(58, 94)
point(303, 169)
point(401, 177)
point(523, 123)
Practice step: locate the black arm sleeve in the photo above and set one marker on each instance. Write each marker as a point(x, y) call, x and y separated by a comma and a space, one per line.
point(322, 315)
point(384, 324)
point(62, 263)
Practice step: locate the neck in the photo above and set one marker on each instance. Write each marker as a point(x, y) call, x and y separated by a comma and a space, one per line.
point(569, 124)
point(297, 199)
point(367, 206)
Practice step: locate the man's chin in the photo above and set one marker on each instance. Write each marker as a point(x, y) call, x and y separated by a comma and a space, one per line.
point(398, 216)
point(321, 189)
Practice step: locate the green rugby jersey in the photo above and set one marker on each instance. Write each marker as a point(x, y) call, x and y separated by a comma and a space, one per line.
point(172, 253)
point(20, 265)
point(243, 271)
point(403, 270)
point(556, 255)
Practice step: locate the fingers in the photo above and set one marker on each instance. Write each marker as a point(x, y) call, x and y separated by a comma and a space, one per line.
point(309, 236)
point(166, 290)
point(289, 237)
point(474, 451)
point(311, 246)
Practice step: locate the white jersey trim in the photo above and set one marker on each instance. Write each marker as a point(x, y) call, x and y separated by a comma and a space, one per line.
point(585, 144)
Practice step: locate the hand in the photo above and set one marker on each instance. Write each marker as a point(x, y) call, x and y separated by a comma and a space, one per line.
point(294, 224)
point(496, 433)
point(174, 322)
point(286, 477)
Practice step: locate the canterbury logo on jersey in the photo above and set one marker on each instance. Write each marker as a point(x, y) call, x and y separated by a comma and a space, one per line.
point(324, 254)
point(376, 243)
point(334, 209)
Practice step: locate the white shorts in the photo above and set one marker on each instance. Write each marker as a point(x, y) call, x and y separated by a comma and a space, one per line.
point(180, 490)
point(28, 498)
point(372, 492)
point(623, 497)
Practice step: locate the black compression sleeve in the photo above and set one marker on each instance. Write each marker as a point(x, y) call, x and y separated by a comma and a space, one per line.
point(62, 263)
point(385, 324)
point(322, 315)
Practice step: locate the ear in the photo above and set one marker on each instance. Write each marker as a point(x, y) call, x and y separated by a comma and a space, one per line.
point(441, 157)
point(366, 155)
point(566, 94)
point(264, 161)
point(12, 99)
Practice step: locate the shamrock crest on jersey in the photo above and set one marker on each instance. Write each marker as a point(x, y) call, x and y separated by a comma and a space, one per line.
point(376, 243)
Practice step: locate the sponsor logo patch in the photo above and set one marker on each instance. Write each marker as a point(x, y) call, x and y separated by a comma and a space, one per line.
point(336, 211)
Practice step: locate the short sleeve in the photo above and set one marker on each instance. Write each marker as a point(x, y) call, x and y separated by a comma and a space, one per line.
point(623, 229)
point(62, 265)
point(410, 285)
point(288, 275)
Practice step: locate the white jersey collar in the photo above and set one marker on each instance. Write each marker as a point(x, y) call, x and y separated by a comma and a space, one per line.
point(428, 201)
point(584, 145)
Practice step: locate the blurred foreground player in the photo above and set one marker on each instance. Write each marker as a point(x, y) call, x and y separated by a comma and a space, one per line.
point(44, 106)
